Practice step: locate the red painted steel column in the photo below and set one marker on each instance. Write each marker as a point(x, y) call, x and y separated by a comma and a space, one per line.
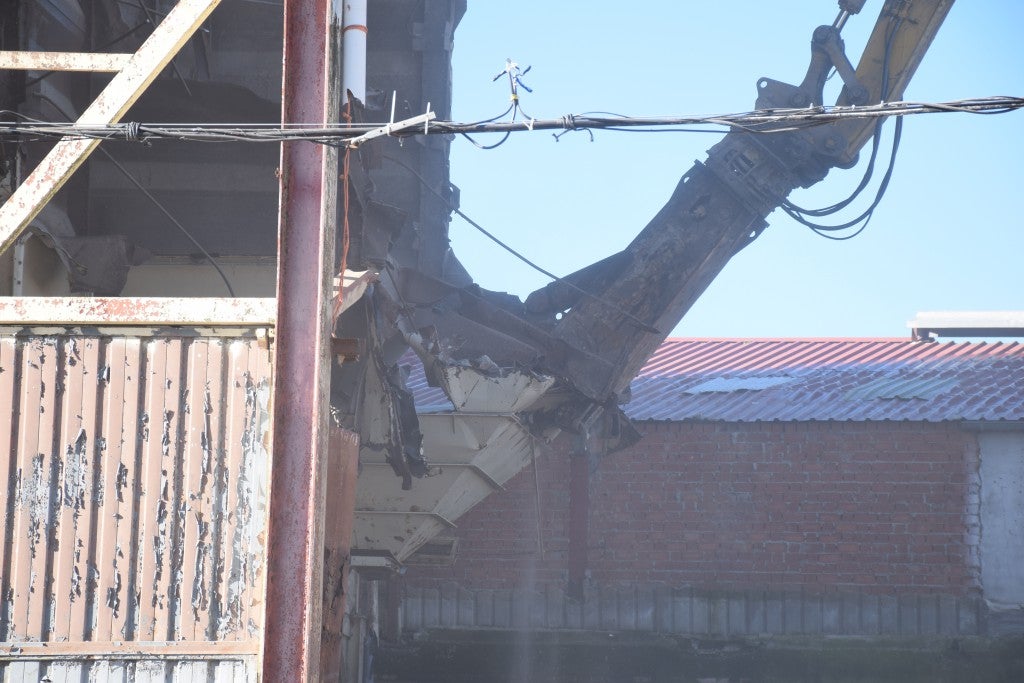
point(308, 187)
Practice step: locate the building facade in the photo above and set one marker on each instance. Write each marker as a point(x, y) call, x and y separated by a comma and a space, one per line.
point(782, 489)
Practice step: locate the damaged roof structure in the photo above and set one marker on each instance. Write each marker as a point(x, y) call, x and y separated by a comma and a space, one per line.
point(175, 244)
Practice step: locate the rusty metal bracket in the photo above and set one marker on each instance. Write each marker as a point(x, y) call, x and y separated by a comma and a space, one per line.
point(265, 340)
point(827, 51)
point(347, 350)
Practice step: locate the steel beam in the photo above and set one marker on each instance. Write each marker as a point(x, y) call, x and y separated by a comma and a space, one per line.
point(78, 311)
point(63, 61)
point(119, 95)
point(919, 22)
point(306, 237)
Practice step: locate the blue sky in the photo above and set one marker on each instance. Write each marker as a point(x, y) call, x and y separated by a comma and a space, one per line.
point(949, 234)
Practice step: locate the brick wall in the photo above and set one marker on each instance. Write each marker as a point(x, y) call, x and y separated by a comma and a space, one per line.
point(498, 539)
point(819, 507)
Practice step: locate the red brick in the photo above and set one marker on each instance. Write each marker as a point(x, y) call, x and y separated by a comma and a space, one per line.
point(874, 507)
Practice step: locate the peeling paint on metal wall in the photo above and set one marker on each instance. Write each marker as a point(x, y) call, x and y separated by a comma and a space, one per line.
point(126, 671)
point(134, 484)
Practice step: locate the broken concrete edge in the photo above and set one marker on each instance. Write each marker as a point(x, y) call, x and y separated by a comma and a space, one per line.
point(480, 384)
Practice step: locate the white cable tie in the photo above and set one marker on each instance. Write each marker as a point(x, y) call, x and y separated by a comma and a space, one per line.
point(426, 121)
point(388, 128)
point(529, 125)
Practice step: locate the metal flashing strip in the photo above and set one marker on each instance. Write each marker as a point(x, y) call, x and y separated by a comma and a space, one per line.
point(967, 324)
point(77, 311)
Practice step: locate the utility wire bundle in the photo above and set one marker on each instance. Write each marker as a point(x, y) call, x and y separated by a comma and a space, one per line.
point(18, 127)
point(21, 128)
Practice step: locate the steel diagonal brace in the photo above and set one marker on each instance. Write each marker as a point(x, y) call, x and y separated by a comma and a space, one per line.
point(122, 92)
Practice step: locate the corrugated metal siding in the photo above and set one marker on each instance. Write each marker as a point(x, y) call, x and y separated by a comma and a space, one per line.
point(831, 379)
point(135, 488)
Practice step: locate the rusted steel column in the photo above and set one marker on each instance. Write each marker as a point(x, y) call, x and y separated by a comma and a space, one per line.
point(301, 363)
point(343, 467)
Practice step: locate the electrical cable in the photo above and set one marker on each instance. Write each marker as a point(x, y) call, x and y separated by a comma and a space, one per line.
point(489, 235)
point(823, 230)
point(662, 130)
point(513, 72)
point(497, 144)
point(875, 141)
point(801, 215)
point(763, 122)
point(209, 258)
point(127, 174)
point(150, 17)
point(345, 228)
point(499, 116)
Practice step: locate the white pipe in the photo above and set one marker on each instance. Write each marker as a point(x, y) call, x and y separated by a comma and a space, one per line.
point(353, 51)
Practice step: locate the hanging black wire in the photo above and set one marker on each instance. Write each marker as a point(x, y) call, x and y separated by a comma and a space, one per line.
point(861, 222)
point(149, 195)
point(494, 238)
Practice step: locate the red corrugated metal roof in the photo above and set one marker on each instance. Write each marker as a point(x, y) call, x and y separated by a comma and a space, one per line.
point(831, 379)
point(817, 379)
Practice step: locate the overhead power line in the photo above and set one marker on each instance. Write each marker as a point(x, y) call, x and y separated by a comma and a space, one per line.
point(149, 195)
point(770, 121)
point(494, 238)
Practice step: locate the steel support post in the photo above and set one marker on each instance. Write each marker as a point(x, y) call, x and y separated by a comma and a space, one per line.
point(306, 230)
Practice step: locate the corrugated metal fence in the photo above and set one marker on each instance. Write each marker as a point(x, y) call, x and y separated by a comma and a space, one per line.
point(134, 476)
